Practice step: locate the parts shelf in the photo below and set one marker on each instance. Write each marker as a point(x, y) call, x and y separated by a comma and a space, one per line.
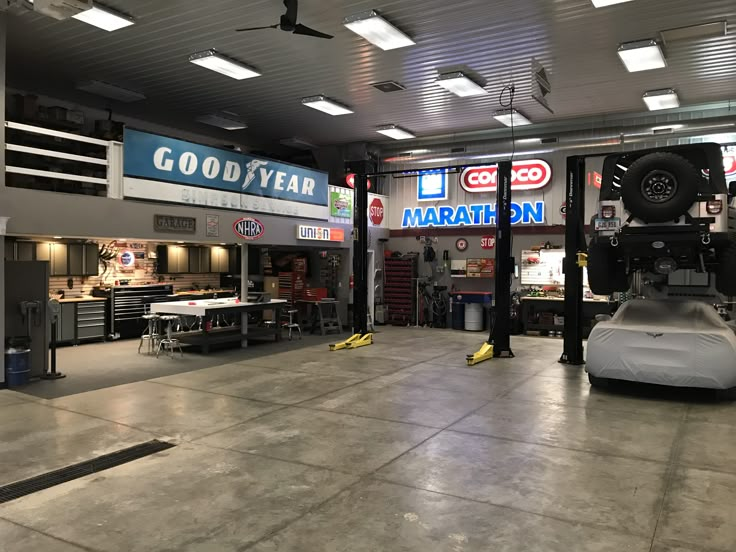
point(398, 293)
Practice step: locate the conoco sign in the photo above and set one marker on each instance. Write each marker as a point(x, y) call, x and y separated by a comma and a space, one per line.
point(531, 174)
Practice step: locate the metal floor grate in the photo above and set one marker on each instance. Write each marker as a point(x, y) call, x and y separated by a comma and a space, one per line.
point(75, 471)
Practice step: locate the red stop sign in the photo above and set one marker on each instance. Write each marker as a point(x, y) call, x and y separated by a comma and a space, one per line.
point(375, 211)
point(488, 242)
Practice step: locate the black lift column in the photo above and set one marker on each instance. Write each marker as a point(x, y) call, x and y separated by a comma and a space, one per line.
point(501, 330)
point(574, 243)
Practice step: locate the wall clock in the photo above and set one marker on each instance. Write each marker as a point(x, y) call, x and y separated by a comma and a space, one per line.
point(461, 244)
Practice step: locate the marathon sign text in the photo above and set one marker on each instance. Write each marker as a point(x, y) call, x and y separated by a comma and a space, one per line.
point(483, 214)
point(531, 174)
point(163, 159)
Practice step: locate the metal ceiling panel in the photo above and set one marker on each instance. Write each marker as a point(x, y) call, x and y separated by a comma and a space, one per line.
point(495, 39)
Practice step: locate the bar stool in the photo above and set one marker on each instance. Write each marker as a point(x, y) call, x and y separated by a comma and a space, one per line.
point(152, 332)
point(169, 341)
point(291, 325)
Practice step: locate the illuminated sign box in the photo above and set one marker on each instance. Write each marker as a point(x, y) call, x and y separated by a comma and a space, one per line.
point(483, 214)
point(432, 186)
point(319, 233)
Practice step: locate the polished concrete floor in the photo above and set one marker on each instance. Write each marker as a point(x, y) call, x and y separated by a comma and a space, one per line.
point(394, 447)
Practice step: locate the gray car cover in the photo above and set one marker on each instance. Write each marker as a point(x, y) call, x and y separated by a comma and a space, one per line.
point(677, 343)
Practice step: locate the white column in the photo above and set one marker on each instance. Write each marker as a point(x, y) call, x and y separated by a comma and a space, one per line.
point(244, 292)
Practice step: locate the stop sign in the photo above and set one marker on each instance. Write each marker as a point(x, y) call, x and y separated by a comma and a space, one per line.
point(375, 212)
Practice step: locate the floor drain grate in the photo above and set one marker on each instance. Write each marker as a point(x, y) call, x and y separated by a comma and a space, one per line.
point(75, 471)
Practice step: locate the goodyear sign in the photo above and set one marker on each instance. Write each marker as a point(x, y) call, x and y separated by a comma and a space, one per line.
point(163, 159)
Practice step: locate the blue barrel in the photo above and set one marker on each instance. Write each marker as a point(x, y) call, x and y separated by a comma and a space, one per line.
point(17, 366)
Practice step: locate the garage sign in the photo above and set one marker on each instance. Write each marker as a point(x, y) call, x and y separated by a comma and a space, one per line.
point(531, 174)
point(248, 228)
point(483, 214)
point(488, 242)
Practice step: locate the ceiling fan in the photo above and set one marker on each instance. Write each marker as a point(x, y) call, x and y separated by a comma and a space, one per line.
point(288, 23)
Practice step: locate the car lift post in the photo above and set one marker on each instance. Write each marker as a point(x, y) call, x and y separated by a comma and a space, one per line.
point(575, 246)
point(361, 337)
point(499, 344)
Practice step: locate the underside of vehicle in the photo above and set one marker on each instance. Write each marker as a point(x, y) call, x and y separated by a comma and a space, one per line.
point(660, 211)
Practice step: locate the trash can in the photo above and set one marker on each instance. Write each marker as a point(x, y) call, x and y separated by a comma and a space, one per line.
point(17, 362)
point(474, 317)
point(458, 316)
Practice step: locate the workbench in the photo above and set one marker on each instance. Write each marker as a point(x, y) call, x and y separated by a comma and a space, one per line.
point(556, 305)
point(209, 309)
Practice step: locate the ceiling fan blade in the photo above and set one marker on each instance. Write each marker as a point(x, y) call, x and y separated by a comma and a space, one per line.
point(257, 28)
point(304, 30)
point(292, 7)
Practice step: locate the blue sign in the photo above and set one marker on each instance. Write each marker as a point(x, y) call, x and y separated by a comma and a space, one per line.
point(483, 214)
point(155, 157)
point(432, 186)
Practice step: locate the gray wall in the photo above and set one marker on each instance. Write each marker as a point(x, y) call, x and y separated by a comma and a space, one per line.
point(2, 188)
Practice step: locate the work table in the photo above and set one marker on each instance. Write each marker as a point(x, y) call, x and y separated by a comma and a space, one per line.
point(82, 299)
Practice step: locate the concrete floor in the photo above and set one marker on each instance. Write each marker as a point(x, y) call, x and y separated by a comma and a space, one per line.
point(394, 447)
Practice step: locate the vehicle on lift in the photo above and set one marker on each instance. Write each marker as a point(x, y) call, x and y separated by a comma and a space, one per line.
point(661, 210)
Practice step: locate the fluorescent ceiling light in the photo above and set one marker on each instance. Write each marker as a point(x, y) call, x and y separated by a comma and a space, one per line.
point(604, 3)
point(692, 32)
point(641, 55)
point(108, 90)
point(509, 116)
point(376, 30)
point(460, 84)
point(298, 143)
point(104, 18)
point(214, 61)
point(326, 105)
point(667, 128)
point(661, 99)
point(395, 132)
point(222, 121)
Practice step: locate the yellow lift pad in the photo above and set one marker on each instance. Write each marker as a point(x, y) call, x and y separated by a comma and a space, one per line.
point(485, 353)
point(358, 340)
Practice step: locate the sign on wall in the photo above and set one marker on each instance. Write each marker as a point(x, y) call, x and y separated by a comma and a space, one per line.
point(375, 211)
point(248, 228)
point(213, 226)
point(224, 178)
point(174, 224)
point(341, 204)
point(432, 186)
point(484, 214)
point(319, 233)
point(480, 268)
point(488, 242)
point(531, 174)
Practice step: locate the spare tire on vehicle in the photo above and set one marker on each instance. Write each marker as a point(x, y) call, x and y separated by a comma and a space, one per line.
point(660, 187)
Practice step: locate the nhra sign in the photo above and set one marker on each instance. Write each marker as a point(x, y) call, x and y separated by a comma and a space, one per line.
point(248, 228)
point(531, 174)
point(483, 214)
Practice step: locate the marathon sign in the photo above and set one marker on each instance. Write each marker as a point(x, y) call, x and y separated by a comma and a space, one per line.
point(484, 214)
point(531, 174)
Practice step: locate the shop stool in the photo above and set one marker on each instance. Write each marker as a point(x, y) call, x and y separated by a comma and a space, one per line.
point(169, 341)
point(291, 325)
point(152, 332)
point(329, 316)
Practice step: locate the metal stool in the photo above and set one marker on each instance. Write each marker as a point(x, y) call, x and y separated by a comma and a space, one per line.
point(169, 341)
point(151, 333)
point(291, 325)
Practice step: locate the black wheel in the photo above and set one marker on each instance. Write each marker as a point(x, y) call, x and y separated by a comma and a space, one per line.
point(606, 272)
point(726, 271)
point(600, 383)
point(660, 187)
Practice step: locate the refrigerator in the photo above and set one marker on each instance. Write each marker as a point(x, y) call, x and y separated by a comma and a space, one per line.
point(26, 309)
